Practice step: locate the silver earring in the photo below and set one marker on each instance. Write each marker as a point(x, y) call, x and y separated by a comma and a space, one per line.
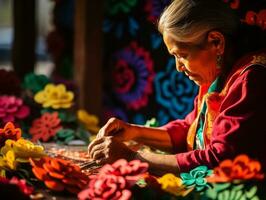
point(219, 61)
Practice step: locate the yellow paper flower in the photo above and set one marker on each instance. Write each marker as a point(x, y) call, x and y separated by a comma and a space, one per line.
point(8, 161)
point(90, 121)
point(173, 185)
point(23, 150)
point(55, 96)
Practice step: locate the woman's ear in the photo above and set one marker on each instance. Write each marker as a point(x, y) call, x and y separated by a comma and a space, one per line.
point(217, 40)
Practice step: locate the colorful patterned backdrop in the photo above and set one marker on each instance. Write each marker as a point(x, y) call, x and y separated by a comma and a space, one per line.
point(140, 77)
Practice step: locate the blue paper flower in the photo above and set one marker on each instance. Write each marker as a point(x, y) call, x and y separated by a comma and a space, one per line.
point(174, 91)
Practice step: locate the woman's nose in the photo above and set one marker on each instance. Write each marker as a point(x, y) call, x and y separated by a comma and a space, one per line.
point(179, 65)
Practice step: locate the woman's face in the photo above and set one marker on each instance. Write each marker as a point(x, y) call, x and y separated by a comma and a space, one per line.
point(199, 64)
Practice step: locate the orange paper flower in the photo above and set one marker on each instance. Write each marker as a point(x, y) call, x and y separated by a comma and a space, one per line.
point(59, 175)
point(241, 168)
point(45, 127)
point(9, 132)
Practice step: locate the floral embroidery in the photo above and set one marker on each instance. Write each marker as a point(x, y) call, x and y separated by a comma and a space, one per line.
point(45, 127)
point(261, 59)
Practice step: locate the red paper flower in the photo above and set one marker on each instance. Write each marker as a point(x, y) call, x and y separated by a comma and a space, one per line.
point(59, 175)
point(9, 83)
point(9, 132)
point(241, 168)
point(114, 181)
point(21, 183)
point(11, 108)
point(45, 127)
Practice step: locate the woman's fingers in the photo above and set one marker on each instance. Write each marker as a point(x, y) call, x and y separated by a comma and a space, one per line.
point(112, 126)
point(94, 143)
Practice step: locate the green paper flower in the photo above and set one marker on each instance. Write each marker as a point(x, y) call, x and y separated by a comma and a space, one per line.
point(34, 82)
point(196, 178)
point(117, 6)
point(228, 191)
point(63, 136)
point(152, 123)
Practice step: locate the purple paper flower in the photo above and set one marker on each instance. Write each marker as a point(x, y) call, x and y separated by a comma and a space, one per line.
point(132, 76)
point(12, 108)
point(154, 8)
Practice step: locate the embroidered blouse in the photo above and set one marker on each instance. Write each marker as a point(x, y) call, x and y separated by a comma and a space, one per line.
point(238, 125)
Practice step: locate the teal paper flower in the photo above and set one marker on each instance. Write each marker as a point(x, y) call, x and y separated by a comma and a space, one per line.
point(196, 178)
point(118, 6)
point(63, 136)
point(34, 82)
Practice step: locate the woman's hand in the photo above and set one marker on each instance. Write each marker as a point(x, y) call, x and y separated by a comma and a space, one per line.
point(121, 130)
point(108, 149)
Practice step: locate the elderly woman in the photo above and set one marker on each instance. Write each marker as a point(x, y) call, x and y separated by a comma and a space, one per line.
point(229, 111)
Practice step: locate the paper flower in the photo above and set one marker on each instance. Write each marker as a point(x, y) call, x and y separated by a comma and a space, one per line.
point(132, 76)
point(12, 108)
point(45, 127)
point(35, 82)
point(63, 136)
point(9, 83)
point(20, 183)
point(174, 91)
point(9, 132)
point(116, 6)
point(8, 161)
point(113, 181)
point(196, 178)
point(152, 123)
point(91, 122)
point(55, 96)
point(241, 168)
point(173, 185)
point(154, 9)
point(59, 175)
point(23, 150)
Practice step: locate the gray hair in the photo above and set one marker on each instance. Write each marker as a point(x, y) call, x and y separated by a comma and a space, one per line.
point(189, 20)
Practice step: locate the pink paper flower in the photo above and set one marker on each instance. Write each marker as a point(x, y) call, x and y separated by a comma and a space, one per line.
point(20, 183)
point(12, 107)
point(114, 181)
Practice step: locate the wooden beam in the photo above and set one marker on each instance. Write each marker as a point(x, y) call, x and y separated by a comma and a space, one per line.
point(88, 54)
point(23, 48)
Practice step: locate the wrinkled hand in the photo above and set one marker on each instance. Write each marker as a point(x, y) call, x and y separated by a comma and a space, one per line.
point(108, 149)
point(118, 128)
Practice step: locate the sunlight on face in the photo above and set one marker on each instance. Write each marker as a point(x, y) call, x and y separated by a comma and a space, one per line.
point(199, 64)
